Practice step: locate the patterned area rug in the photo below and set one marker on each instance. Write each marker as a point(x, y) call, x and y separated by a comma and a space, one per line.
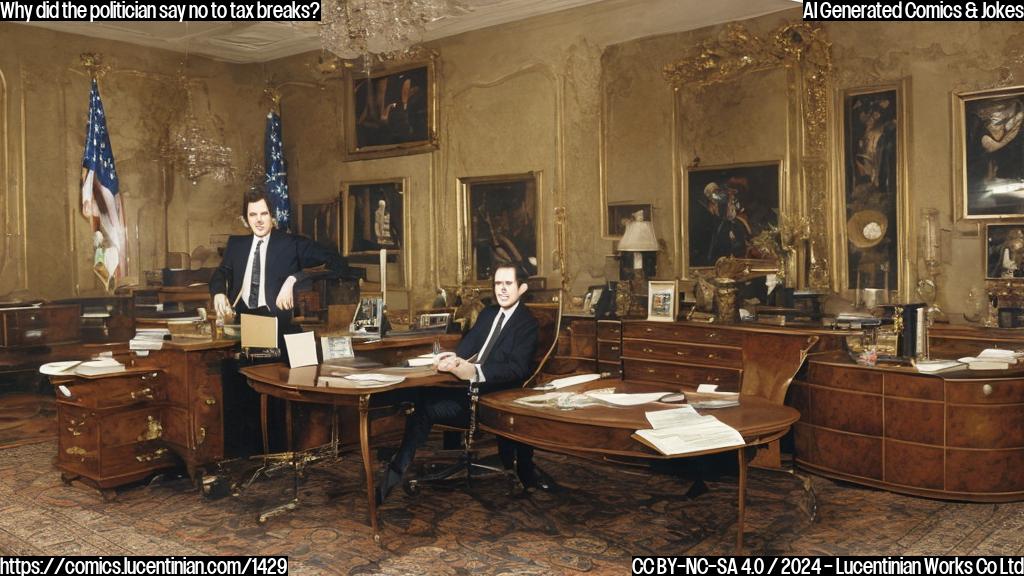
point(606, 515)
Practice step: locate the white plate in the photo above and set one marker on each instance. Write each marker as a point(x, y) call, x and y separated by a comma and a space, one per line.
point(58, 368)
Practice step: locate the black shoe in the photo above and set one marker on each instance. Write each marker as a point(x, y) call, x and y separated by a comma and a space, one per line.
point(533, 479)
point(387, 483)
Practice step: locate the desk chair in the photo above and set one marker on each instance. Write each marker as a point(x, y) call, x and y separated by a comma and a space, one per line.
point(549, 317)
point(769, 369)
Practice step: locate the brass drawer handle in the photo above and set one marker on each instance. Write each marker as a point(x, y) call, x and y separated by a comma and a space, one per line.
point(682, 353)
point(153, 430)
point(987, 389)
point(713, 335)
point(712, 355)
point(650, 370)
point(648, 350)
point(648, 329)
point(211, 401)
point(145, 392)
point(154, 455)
point(201, 436)
point(614, 348)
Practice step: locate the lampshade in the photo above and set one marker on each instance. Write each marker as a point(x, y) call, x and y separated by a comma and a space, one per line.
point(638, 237)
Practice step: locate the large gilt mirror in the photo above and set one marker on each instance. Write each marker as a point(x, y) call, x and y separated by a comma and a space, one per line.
point(751, 144)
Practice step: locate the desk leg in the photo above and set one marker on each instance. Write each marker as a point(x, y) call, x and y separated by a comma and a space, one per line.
point(263, 427)
point(364, 445)
point(742, 455)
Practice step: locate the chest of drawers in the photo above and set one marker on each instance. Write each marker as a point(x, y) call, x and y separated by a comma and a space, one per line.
point(110, 428)
point(39, 326)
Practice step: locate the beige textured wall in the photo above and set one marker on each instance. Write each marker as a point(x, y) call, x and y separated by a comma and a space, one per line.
point(547, 95)
point(47, 247)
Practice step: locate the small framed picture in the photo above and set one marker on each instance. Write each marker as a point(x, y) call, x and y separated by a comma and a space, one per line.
point(662, 300)
point(1004, 251)
point(434, 321)
point(368, 315)
point(592, 298)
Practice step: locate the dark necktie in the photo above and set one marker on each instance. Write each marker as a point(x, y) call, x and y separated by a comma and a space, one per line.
point(254, 283)
point(490, 343)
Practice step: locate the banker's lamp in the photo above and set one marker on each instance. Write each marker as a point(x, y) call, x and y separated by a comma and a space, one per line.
point(638, 238)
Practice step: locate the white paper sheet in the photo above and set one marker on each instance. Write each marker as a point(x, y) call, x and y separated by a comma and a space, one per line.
point(707, 433)
point(569, 381)
point(301, 349)
point(673, 417)
point(628, 399)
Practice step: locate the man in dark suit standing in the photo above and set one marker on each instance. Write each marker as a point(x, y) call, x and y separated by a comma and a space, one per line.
point(497, 353)
point(259, 272)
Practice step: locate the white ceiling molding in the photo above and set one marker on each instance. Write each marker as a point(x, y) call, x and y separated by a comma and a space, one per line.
point(613, 21)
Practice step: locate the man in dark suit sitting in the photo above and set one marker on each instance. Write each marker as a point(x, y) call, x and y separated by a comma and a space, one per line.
point(259, 271)
point(497, 353)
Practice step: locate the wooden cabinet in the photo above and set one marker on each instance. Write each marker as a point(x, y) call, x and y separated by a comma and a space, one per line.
point(111, 428)
point(683, 354)
point(576, 347)
point(105, 318)
point(957, 435)
point(39, 326)
point(956, 341)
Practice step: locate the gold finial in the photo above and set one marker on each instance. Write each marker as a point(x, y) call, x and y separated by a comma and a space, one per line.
point(93, 64)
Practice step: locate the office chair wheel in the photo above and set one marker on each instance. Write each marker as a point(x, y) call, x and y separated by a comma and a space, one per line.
point(411, 487)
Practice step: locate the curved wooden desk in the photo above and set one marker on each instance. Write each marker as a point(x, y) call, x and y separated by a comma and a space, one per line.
point(608, 431)
point(300, 385)
point(956, 436)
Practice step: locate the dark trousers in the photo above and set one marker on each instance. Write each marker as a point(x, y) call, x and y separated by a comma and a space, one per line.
point(451, 407)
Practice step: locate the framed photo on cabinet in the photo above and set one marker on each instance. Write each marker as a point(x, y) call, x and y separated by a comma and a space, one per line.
point(391, 112)
point(662, 300)
point(619, 215)
point(1004, 251)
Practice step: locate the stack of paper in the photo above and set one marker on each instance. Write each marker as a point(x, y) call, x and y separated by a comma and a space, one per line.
point(422, 360)
point(935, 366)
point(360, 380)
point(682, 430)
point(148, 338)
point(992, 359)
point(568, 381)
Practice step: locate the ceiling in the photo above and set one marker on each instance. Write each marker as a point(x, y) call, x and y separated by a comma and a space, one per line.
point(261, 41)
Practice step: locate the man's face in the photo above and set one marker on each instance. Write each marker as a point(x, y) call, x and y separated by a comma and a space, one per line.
point(258, 216)
point(505, 289)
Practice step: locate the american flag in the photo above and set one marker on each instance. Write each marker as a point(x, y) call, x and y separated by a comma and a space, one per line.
point(277, 172)
point(100, 200)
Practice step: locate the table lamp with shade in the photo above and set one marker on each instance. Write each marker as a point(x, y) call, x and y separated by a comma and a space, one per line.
point(638, 238)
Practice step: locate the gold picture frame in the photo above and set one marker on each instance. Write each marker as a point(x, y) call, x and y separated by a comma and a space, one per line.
point(499, 224)
point(989, 177)
point(662, 300)
point(391, 112)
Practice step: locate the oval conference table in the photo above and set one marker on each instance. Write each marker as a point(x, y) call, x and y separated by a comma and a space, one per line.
point(592, 431)
point(608, 431)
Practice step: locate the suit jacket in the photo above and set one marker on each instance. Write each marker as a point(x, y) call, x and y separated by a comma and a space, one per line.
point(510, 361)
point(287, 255)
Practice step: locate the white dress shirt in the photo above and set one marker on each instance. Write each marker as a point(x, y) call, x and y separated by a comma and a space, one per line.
point(247, 279)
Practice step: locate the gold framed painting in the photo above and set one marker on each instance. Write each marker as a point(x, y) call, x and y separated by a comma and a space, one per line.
point(989, 153)
point(871, 221)
point(391, 112)
point(374, 216)
point(499, 224)
point(662, 300)
point(727, 207)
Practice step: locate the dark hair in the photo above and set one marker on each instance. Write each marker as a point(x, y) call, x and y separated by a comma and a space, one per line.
point(254, 195)
point(521, 274)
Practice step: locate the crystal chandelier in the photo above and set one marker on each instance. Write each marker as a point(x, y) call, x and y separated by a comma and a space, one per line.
point(384, 29)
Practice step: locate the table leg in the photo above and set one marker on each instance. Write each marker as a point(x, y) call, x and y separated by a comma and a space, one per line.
point(364, 445)
point(742, 455)
point(263, 426)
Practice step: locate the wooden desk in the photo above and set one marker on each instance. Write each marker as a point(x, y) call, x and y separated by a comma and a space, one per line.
point(300, 385)
point(956, 435)
point(607, 431)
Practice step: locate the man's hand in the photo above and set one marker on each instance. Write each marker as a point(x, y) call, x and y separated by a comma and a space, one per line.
point(449, 362)
point(285, 298)
point(222, 306)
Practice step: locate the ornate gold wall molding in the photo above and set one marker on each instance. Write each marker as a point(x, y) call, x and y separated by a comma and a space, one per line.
point(806, 53)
